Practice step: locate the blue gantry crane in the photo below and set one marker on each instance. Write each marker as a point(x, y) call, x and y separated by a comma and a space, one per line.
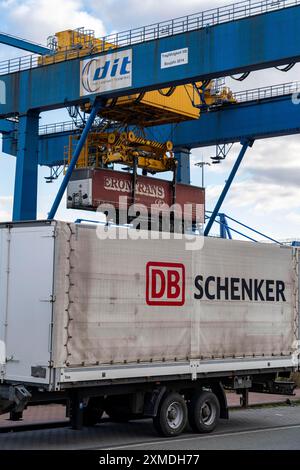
point(234, 39)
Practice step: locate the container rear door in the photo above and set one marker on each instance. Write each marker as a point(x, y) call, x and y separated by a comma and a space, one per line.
point(27, 309)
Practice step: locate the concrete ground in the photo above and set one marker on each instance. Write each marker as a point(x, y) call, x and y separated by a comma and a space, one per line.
point(264, 428)
point(256, 399)
point(259, 427)
point(53, 413)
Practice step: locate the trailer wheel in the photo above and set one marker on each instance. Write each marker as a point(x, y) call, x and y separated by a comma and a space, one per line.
point(171, 418)
point(92, 413)
point(118, 408)
point(204, 412)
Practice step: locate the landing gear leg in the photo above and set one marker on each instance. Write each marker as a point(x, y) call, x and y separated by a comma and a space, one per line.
point(76, 412)
point(245, 398)
point(16, 415)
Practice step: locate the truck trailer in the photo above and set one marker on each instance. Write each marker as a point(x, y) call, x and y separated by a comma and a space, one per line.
point(105, 321)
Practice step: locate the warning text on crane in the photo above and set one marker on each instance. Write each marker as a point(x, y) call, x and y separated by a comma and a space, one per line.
point(175, 58)
point(106, 73)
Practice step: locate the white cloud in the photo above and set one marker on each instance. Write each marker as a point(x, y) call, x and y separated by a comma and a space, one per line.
point(264, 198)
point(293, 217)
point(37, 19)
point(5, 199)
point(266, 192)
point(269, 163)
point(5, 216)
point(134, 13)
point(271, 209)
point(5, 208)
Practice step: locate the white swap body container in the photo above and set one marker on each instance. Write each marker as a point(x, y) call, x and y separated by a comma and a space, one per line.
point(75, 308)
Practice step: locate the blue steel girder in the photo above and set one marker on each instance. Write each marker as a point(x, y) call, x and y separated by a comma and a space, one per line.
point(97, 105)
point(245, 145)
point(257, 120)
point(223, 226)
point(252, 43)
point(7, 126)
point(23, 44)
point(26, 177)
point(184, 165)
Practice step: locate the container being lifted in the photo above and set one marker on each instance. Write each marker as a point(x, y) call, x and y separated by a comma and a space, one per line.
point(142, 327)
point(90, 188)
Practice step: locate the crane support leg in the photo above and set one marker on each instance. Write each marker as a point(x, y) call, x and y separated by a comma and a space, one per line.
point(245, 146)
point(95, 109)
point(26, 178)
point(184, 166)
point(223, 231)
point(224, 228)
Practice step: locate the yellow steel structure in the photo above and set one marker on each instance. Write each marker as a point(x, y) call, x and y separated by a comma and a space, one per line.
point(71, 44)
point(103, 149)
point(153, 108)
point(165, 106)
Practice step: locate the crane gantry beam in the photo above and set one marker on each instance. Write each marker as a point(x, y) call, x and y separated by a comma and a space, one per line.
point(214, 50)
point(238, 38)
point(24, 44)
point(258, 118)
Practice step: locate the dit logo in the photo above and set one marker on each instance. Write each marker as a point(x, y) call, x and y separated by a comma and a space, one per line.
point(165, 284)
point(106, 72)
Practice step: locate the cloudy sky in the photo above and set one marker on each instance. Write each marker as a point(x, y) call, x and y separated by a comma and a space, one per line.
point(266, 191)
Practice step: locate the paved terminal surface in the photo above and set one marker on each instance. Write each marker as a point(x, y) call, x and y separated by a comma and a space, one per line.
point(54, 413)
point(275, 427)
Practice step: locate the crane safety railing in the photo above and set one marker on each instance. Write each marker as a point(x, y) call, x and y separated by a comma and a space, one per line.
point(74, 125)
point(58, 127)
point(159, 30)
point(265, 238)
point(272, 91)
point(223, 223)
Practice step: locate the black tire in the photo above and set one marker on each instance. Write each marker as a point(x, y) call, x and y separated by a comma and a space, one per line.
point(172, 415)
point(204, 412)
point(91, 416)
point(118, 409)
point(92, 413)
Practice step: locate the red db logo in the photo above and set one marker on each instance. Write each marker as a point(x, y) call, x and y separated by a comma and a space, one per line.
point(165, 284)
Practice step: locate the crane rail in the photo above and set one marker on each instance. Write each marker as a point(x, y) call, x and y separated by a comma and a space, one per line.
point(196, 21)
